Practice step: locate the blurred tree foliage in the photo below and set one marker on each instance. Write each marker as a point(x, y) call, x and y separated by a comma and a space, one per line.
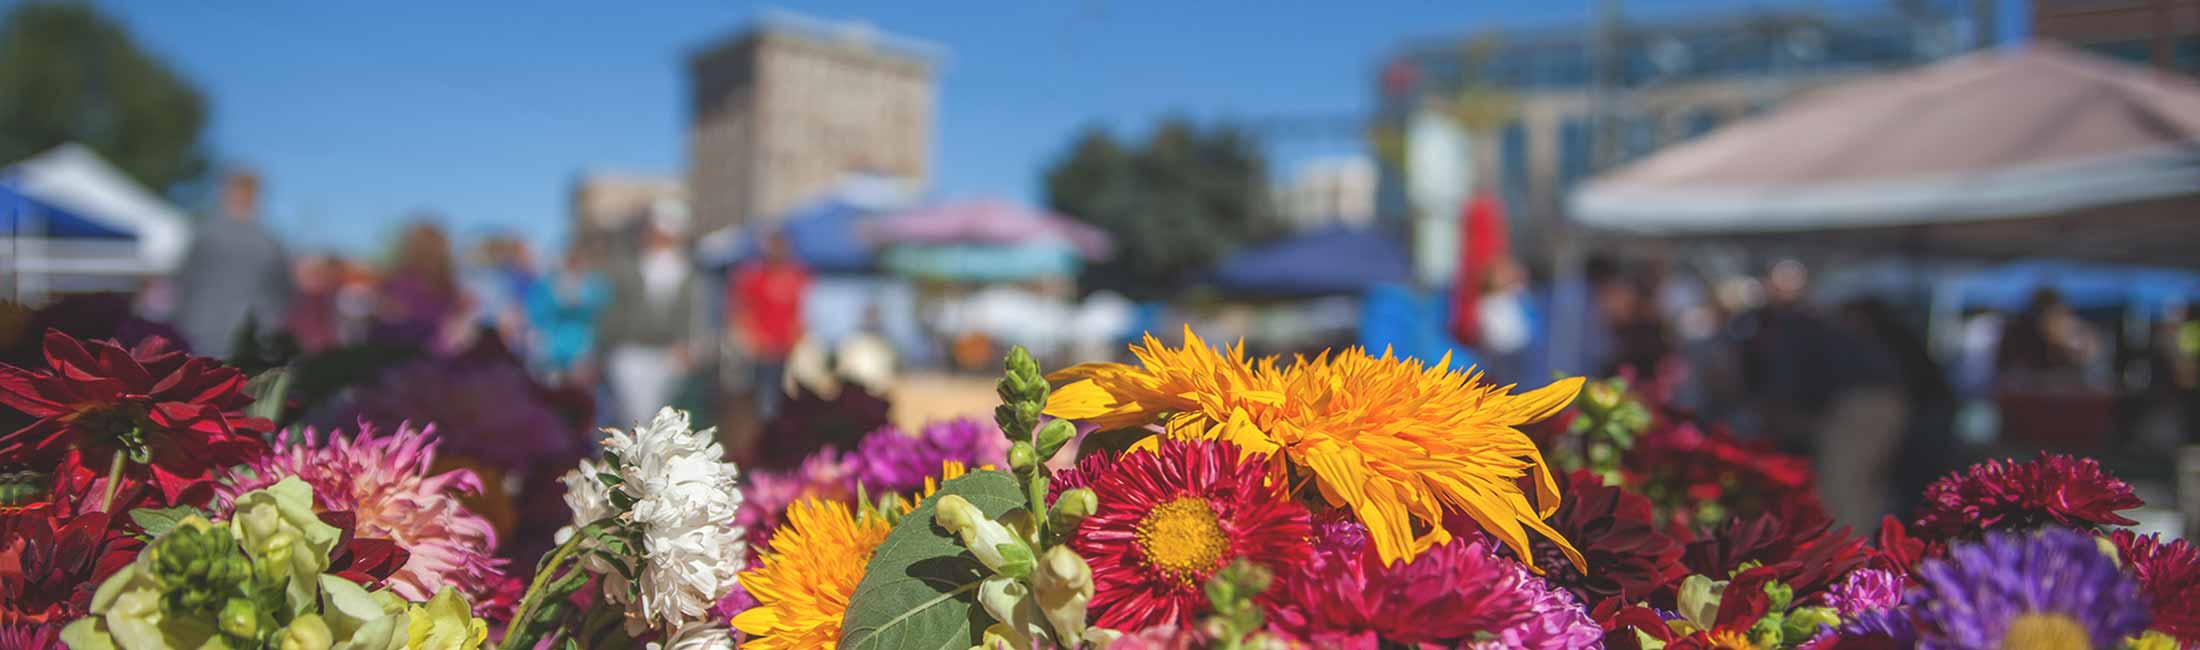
point(68, 74)
point(1174, 204)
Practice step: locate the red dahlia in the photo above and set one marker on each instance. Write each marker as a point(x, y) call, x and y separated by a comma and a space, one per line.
point(175, 417)
point(2053, 489)
point(1168, 519)
point(49, 565)
point(1805, 552)
point(2169, 575)
point(1617, 532)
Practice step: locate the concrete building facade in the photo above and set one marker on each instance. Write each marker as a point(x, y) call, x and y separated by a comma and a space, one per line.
point(784, 112)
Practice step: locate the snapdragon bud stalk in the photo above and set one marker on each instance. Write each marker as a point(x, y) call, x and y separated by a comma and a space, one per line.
point(999, 548)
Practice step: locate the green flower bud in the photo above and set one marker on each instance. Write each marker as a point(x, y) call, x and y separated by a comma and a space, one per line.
point(1073, 506)
point(278, 528)
point(240, 619)
point(1780, 595)
point(1053, 436)
point(1804, 622)
point(197, 568)
point(1021, 457)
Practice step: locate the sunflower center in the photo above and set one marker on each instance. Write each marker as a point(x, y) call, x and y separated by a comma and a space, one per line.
point(2045, 632)
point(1182, 537)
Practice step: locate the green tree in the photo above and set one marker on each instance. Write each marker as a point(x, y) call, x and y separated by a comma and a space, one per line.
point(1182, 200)
point(68, 74)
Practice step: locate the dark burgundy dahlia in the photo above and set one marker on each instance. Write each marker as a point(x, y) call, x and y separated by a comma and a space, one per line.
point(2169, 577)
point(1617, 532)
point(2052, 490)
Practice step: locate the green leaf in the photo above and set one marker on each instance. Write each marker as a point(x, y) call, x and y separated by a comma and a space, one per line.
point(920, 588)
point(158, 521)
point(268, 390)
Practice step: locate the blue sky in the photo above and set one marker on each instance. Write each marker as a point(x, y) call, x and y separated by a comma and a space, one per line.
point(360, 114)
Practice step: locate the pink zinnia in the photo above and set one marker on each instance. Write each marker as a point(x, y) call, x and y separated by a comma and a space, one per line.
point(384, 482)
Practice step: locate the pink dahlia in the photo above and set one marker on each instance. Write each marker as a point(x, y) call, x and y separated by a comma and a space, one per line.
point(384, 482)
point(2052, 490)
point(1446, 595)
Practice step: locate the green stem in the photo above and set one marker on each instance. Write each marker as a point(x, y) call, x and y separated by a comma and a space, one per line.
point(532, 600)
point(114, 478)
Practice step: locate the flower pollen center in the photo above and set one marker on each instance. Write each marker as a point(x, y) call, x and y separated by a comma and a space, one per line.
point(1182, 538)
point(2038, 631)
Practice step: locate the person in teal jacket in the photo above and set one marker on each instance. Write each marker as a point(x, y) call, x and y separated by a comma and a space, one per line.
point(562, 310)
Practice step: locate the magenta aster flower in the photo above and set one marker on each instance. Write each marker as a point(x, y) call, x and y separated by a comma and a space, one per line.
point(2047, 589)
point(2052, 490)
point(826, 474)
point(1168, 519)
point(890, 460)
point(1865, 590)
point(1555, 619)
point(31, 636)
point(1446, 595)
point(384, 481)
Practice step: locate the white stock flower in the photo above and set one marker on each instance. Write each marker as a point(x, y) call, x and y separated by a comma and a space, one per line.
point(685, 496)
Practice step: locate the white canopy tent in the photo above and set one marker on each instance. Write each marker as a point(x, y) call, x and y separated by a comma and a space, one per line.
point(74, 181)
point(2043, 150)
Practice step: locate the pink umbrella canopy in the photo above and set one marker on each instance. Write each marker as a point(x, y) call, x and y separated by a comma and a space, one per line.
point(1974, 154)
point(985, 222)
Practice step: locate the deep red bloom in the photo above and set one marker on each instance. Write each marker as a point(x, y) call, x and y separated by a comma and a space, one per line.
point(49, 565)
point(1899, 553)
point(2053, 489)
point(1807, 554)
point(1447, 594)
point(1170, 518)
point(1617, 532)
point(364, 560)
point(176, 415)
point(2169, 575)
point(1698, 477)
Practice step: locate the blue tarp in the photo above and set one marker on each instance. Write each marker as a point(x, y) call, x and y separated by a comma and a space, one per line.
point(823, 235)
point(983, 263)
point(22, 215)
point(1410, 324)
point(2082, 286)
point(1332, 260)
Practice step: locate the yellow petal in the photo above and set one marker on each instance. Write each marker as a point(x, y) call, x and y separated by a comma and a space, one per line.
point(1538, 404)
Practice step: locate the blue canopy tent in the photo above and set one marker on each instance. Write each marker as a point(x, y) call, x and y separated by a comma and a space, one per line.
point(983, 262)
point(2082, 286)
point(1326, 261)
point(822, 234)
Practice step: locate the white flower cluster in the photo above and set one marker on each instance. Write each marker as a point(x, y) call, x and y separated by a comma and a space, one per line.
point(684, 496)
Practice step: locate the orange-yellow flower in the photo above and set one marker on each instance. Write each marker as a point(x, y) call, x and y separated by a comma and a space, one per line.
point(802, 585)
point(1397, 442)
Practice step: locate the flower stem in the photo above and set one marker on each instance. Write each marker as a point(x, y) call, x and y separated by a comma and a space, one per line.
point(114, 479)
point(532, 600)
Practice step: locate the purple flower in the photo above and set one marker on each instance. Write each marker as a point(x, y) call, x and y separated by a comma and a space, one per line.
point(485, 407)
point(2023, 590)
point(826, 474)
point(1555, 620)
point(1337, 532)
point(1865, 590)
point(889, 460)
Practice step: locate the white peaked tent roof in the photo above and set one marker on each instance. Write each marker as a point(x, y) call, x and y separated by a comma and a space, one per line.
point(74, 178)
point(2043, 149)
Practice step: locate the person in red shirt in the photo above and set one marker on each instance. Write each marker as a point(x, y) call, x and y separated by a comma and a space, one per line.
point(766, 314)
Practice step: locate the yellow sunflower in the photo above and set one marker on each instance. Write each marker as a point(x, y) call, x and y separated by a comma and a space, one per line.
point(1397, 442)
point(802, 585)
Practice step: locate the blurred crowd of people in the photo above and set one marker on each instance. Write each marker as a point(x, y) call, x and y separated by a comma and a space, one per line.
point(634, 318)
point(1854, 383)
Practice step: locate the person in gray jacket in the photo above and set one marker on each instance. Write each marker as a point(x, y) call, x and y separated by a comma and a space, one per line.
point(649, 334)
point(234, 269)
